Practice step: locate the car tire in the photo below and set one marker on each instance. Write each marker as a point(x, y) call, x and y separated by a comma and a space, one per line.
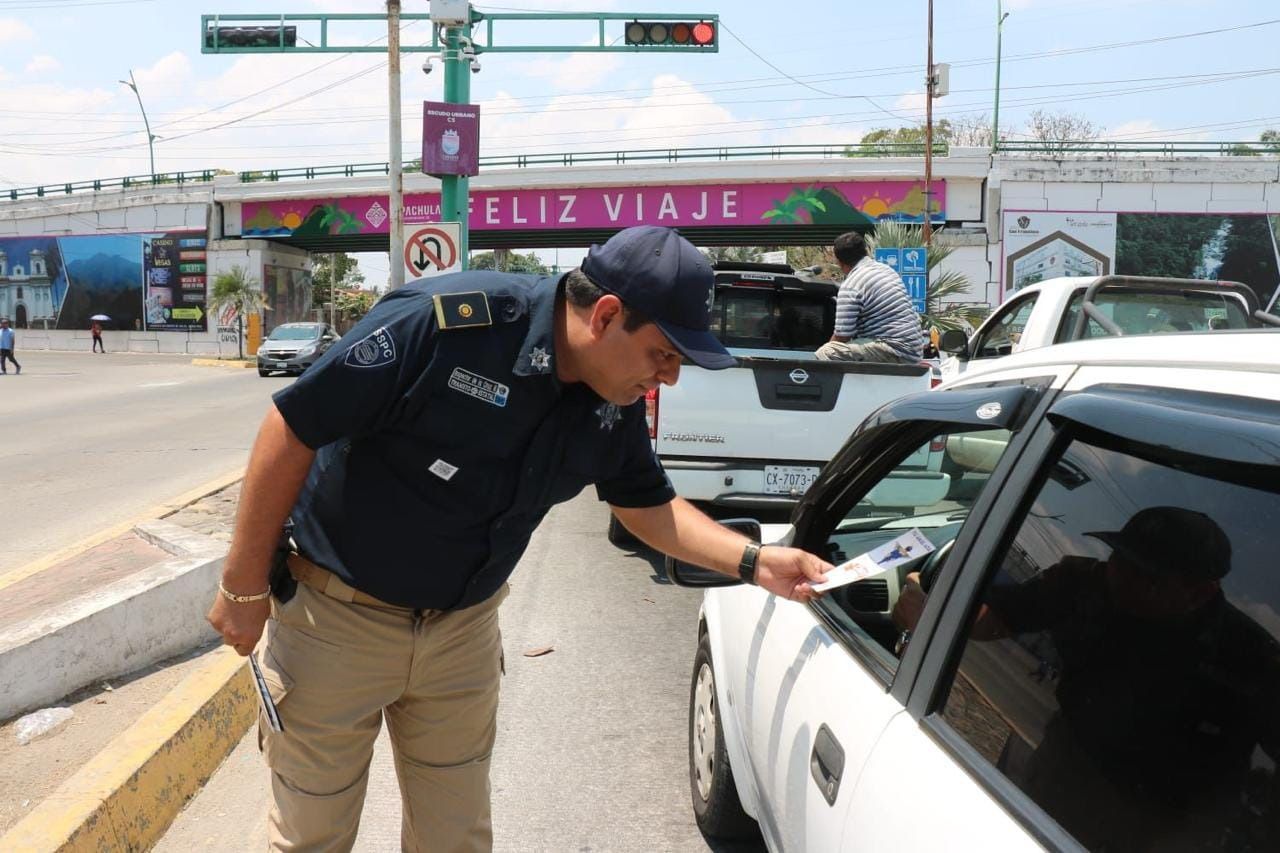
point(716, 806)
point(262, 372)
point(619, 535)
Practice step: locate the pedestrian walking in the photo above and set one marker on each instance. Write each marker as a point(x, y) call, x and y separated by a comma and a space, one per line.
point(96, 331)
point(414, 463)
point(6, 347)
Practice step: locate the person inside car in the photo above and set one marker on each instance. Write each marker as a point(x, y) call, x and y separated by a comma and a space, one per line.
point(1164, 689)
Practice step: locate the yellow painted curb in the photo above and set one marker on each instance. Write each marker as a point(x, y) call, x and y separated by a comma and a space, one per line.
point(126, 796)
point(169, 507)
point(218, 362)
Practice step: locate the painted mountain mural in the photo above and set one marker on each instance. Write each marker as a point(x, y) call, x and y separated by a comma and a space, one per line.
point(104, 283)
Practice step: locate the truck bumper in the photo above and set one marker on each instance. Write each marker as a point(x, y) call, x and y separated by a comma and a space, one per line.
point(726, 484)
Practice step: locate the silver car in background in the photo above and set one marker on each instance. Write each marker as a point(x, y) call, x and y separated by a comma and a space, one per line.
point(293, 347)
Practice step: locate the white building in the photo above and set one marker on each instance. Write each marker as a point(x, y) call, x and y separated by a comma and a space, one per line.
point(26, 292)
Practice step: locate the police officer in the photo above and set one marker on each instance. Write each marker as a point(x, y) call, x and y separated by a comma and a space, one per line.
point(415, 461)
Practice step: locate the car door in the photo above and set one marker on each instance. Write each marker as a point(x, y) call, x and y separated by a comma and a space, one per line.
point(814, 686)
point(1103, 663)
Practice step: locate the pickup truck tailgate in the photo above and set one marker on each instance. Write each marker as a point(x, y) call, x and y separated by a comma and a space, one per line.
point(775, 409)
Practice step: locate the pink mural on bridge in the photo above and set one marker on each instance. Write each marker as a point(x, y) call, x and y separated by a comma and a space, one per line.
point(679, 205)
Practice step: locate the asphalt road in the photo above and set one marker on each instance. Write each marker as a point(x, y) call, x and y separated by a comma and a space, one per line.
point(592, 745)
point(88, 441)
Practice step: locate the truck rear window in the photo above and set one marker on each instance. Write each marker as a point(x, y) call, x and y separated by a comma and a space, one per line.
point(1144, 313)
point(760, 318)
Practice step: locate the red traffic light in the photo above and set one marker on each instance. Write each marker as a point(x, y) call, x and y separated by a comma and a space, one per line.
point(677, 34)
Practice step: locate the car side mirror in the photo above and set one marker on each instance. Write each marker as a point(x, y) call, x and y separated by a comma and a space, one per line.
point(954, 342)
point(681, 573)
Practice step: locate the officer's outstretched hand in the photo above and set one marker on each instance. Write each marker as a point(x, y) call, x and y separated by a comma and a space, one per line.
point(790, 573)
point(239, 623)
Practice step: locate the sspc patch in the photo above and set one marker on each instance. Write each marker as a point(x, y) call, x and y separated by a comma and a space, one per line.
point(474, 385)
point(462, 310)
point(378, 348)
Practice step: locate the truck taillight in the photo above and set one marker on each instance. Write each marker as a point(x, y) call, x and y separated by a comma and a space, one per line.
point(651, 411)
point(938, 445)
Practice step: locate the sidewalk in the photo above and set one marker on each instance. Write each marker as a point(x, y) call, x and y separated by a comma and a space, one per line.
point(124, 618)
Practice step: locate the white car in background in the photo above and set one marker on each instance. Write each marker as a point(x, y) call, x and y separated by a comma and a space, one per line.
point(1049, 312)
point(1122, 704)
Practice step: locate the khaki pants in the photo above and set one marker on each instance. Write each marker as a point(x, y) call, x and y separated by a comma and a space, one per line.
point(335, 668)
point(862, 349)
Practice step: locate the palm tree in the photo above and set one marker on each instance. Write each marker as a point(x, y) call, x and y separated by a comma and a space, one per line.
point(239, 290)
point(937, 313)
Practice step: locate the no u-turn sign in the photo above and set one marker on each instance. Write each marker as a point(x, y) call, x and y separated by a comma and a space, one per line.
point(431, 249)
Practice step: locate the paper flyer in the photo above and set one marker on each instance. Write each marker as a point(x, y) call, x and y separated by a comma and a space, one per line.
point(909, 546)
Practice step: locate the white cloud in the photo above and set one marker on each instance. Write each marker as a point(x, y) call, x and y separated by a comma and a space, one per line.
point(168, 76)
point(576, 72)
point(42, 63)
point(1135, 130)
point(11, 29)
point(911, 103)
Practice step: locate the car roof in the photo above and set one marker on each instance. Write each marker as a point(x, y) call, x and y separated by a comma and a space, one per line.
point(1256, 350)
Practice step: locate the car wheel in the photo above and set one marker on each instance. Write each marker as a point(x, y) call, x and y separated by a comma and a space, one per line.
point(619, 535)
point(262, 372)
point(716, 806)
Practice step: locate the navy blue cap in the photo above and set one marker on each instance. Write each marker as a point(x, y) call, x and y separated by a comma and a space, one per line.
point(660, 274)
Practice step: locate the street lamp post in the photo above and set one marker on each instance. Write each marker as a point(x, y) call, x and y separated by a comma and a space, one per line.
point(995, 117)
point(926, 228)
point(396, 192)
point(151, 137)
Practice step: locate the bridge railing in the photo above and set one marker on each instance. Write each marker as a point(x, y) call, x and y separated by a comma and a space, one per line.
point(1058, 149)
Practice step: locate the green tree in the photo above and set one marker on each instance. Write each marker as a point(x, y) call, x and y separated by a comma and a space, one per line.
point(733, 254)
point(950, 283)
point(323, 268)
point(354, 304)
point(899, 140)
point(237, 289)
point(515, 262)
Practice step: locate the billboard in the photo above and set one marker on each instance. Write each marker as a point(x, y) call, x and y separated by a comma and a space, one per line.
point(140, 281)
point(1215, 246)
point(842, 203)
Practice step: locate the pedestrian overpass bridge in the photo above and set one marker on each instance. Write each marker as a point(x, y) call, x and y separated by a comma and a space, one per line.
point(1020, 213)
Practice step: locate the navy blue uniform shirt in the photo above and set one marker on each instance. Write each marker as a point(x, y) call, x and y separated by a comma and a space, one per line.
point(440, 450)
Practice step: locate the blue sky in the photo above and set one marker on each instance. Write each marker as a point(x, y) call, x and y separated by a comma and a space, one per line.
point(64, 116)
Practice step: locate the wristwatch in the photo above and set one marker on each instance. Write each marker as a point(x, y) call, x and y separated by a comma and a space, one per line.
point(747, 565)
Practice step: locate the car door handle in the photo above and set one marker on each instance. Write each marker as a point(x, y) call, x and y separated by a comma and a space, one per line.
point(826, 763)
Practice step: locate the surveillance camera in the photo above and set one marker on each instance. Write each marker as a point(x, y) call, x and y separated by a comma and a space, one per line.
point(427, 67)
point(475, 66)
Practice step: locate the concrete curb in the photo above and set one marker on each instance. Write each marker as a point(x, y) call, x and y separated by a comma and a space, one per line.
point(218, 362)
point(138, 620)
point(160, 511)
point(126, 796)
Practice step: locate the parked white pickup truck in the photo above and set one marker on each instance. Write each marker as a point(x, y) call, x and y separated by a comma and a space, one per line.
point(1049, 312)
point(757, 435)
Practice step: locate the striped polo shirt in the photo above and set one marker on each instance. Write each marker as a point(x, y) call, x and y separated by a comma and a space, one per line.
point(873, 303)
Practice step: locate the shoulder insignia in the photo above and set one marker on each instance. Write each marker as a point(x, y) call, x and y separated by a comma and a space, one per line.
point(462, 310)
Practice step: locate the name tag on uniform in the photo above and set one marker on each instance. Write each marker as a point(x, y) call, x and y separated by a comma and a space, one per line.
point(462, 310)
point(474, 385)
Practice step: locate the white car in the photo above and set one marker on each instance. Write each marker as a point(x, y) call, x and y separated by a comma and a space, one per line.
point(1048, 312)
point(1090, 657)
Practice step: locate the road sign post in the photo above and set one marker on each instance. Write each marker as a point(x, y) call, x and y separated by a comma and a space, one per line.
point(912, 264)
point(432, 249)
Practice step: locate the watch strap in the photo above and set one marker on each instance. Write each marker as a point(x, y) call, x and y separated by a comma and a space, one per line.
point(747, 565)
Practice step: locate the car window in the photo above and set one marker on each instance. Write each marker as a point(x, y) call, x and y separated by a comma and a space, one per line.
point(931, 490)
point(770, 319)
point(1145, 313)
point(1122, 665)
point(294, 333)
point(1001, 337)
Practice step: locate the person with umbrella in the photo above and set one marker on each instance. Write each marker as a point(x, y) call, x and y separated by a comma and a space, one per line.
point(95, 328)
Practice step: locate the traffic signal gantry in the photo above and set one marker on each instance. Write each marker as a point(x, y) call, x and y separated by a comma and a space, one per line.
point(453, 36)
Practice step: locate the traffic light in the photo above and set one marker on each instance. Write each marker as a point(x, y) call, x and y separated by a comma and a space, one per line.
point(693, 34)
point(264, 37)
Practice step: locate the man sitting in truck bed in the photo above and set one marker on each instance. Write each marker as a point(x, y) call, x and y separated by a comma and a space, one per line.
point(874, 317)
